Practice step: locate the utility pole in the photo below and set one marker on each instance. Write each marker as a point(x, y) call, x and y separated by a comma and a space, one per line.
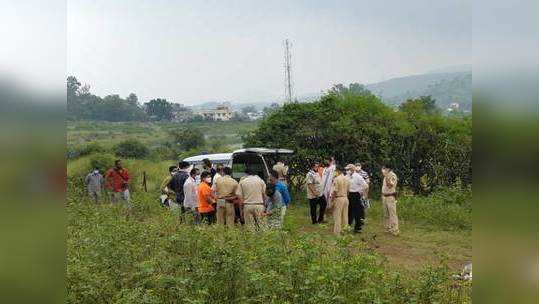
point(289, 95)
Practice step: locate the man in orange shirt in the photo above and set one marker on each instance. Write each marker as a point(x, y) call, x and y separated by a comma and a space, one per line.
point(206, 199)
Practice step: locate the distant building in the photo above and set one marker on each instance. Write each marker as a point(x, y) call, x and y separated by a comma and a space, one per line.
point(221, 113)
point(255, 115)
point(455, 106)
point(181, 113)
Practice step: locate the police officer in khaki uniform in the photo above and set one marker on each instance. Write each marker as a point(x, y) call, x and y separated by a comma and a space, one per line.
point(389, 200)
point(225, 189)
point(252, 194)
point(282, 170)
point(339, 200)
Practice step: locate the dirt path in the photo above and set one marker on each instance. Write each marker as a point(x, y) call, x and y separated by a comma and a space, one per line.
point(413, 249)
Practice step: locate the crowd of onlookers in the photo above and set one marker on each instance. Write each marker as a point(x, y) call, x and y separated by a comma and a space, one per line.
point(213, 196)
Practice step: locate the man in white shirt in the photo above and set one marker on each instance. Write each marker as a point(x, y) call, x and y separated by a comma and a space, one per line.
point(356, 212)
point(315, 195)
point(327, 179)
point(190, 200)
point(366, 177)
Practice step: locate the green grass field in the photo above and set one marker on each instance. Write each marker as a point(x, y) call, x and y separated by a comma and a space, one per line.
point(108, 134)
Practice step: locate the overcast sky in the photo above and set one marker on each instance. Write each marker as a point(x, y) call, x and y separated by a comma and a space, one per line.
point(195, 51)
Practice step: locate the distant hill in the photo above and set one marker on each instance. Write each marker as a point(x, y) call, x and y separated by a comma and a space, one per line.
point(446, 88)
point(447, 85)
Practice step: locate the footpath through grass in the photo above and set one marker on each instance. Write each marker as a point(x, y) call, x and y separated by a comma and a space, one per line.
point(417, 245)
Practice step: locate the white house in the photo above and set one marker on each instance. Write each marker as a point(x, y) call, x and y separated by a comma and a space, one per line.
point(221, 113)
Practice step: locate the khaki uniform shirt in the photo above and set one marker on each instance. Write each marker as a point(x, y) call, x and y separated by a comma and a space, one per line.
point(225, 186)
point(389, 185)
point(341, 186)
point(251, 189)
point(313, 179)
point(164, 185)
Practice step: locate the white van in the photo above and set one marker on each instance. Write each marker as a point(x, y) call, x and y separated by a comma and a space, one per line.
point(260, 160)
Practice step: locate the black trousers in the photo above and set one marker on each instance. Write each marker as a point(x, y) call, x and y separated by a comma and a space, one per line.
point(356, 213)
point(238, 218)
point(208, 218)
point(313, 203)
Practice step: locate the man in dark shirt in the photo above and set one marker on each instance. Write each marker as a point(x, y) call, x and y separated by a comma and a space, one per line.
point(177, 182)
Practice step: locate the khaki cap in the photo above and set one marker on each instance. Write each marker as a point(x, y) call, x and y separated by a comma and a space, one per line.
point(350, 167)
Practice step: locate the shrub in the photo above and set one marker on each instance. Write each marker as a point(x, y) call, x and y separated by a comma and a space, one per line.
point(188, 139)
point(163, 152)
point(101, 161)
point(91, 148)
point(131, 148)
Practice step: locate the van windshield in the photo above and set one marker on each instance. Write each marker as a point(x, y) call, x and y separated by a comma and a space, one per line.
point(253, 160)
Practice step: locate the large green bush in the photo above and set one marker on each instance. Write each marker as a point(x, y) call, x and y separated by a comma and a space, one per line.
point(91, 148)
point(131, 148)
point(188, 138)
point(426, 148)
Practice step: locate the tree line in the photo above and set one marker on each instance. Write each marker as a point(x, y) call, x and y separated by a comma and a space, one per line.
point(83, 105)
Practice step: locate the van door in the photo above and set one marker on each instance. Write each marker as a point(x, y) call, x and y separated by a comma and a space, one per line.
point(255, 161)
point(261, 160)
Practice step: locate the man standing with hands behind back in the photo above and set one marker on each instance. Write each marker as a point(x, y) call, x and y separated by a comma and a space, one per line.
point(225, 188)
point(389, 200)
point(356, 211)
point(339, 199)
point(251, 191)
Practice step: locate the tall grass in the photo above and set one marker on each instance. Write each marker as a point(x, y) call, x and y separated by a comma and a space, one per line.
point(147, 256)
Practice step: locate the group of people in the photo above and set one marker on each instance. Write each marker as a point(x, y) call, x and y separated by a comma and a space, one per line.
point(213, 196)
point(115, 184)
point(344, 192)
